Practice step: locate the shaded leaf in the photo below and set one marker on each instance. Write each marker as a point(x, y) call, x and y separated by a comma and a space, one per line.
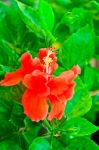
point(39, 144)
point(38, 20)
point(31, 131)
point(81, 102)
point(78, 48)
point(79, 127)
point(8, 145)
point(82, 144)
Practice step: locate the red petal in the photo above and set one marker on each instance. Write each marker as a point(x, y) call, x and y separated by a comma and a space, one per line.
point(76, 69)
point(12, 78)
point(26, 59)
point(37, 82)
point(28, 64)
point(52, 67)
point(59, 84)
point(43, 52)
point(35, 107)
point(57, 109)
point(67, 94)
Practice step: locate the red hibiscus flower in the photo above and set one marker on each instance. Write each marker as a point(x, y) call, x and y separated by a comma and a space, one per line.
point(27, 66)
point(42, 86)
point(48, 58)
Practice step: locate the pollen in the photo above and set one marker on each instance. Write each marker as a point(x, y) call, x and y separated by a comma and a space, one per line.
point(48, 60)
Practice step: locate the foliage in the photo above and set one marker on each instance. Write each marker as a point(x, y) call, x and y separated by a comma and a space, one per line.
point(72, 27)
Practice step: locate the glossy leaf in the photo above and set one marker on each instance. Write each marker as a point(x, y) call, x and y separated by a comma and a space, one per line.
point(38, 20)
point(76, 19)
point(57, 144)
point(6, 126)
point(78, 48)
point(39, 144)
point(9, 144)
point(17, 115)
point(79, 127)
point(82, 143)
point(89, 77)
point(32, 130)
point(81, 102)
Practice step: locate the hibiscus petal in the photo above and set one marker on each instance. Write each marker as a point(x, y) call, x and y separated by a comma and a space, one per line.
point(29, 64)
point(35, 107)
point(68, 93)
point(37, 82)
point(76, 70)
point(43, 52)
point(60, 84)
point(12, 78)
point(25, 59)
point(57, 109)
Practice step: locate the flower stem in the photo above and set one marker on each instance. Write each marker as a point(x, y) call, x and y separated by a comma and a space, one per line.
point(47, 125)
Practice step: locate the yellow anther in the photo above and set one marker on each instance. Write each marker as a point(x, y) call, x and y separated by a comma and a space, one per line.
point(47, 60)
point(55, 46)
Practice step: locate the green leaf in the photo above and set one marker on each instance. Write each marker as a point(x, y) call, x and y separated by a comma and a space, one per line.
point(16, 28)
point(7, 54)
point(89, 75)
point(11, 126)
point(3, 9)
point(8, 145)
point(64, 2)
point(4, 69)
point(79, 127)
point(7, 129)
point(97, 47)
point(33, 3)
point(78, 48)
point(6, 126)
point(78, 3)
point(81, 102)
point(38, 19)
point(12, 30)
point(17, 115)
point(82, 144)
point(91, 115)
point(96, 79)
point(32, 130)
point(96, 102)
point(39, 144)
point(5, 110)
point(76, 19)
point(56, 144)
point(13, 141)
point(47, 17)
point(11, 93)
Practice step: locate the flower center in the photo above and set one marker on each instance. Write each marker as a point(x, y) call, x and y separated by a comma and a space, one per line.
point(48, 60)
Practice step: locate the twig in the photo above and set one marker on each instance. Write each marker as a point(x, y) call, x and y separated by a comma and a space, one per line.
point(93, 93)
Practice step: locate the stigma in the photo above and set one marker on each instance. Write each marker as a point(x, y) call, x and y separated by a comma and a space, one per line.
point(47, 61)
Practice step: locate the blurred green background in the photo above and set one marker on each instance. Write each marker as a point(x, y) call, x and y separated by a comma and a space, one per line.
point(28, 25)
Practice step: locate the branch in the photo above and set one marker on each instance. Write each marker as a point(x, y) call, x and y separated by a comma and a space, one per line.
point(93, 93)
